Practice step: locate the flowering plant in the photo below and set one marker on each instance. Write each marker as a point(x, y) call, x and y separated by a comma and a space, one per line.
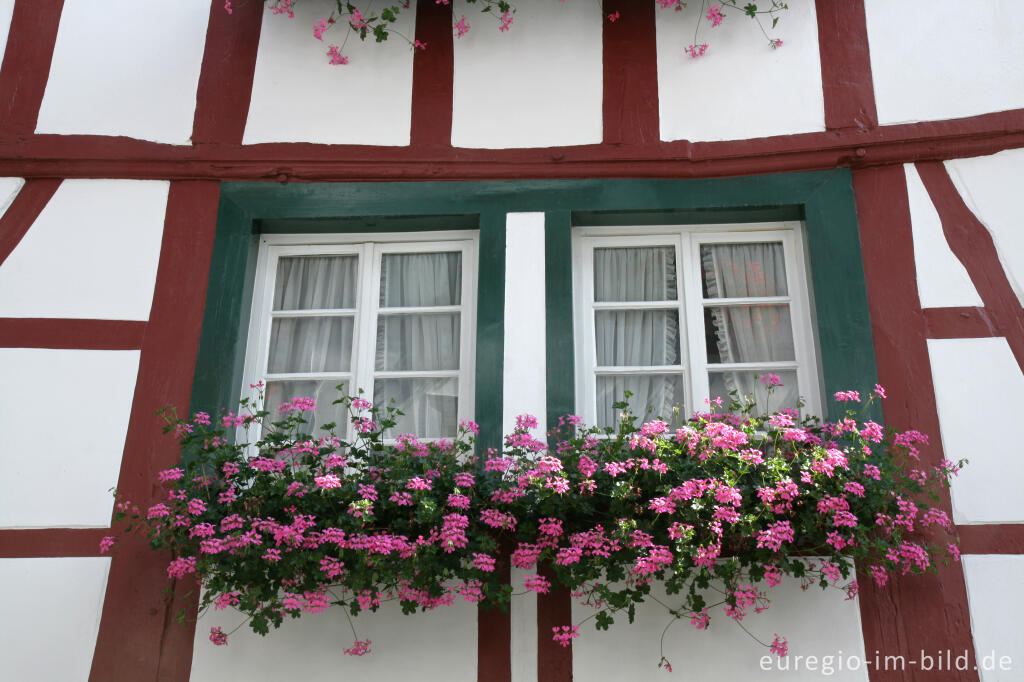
point(295, 523)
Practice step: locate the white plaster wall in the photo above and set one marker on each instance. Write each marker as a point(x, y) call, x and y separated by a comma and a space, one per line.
point(439, 645)
point(537, 85)
point(816, 623)
point(50, 616)
point(523, 613)
point(990, 185)
point(524, 389)
point(995, 596)
point(91, 253)
point(297, 96)
point(979, 392)
point(6, 12)
point(741, 88)
point(9, 188)
point(63, 419)
point(939, 59)
point(942, 280)
point(129, 68)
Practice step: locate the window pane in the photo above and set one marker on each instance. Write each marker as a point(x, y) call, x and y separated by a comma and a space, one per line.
point(420, 279)
point(637, 337)
point(310, 344)
point(654, 395)
point(431, 406)
point(418, 342)
point(746, 383)
point(748, 333)
point(323, 392)
point(635, 274)
point(738, 270)
point(316, 282)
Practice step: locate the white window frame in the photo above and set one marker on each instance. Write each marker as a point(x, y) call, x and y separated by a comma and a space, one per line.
point(370, 248)
point(687, 240)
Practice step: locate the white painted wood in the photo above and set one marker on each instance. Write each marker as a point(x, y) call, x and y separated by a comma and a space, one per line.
point(980, 378)
point(63, 419)
point(525, 366)
point(942, 280)
point(934, 60)
point(51, 615)
point(437, 646)
point(131, 69)
point(995, 597)
point(91, 253)
point(298, 96)
point(6, 12)
point(990, 185)
point(537, 85)
point(523, 614)
point(9, 188)
point(741, 88)
point(816, 623)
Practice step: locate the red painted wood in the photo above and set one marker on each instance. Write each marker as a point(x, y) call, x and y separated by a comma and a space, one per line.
point(93, 156)
point(23, 211)
point(137, 638)
point(433, 77)
point(225, 81)
point(630, 109)
point(997, 538)
point(921, 612)
point(494, 632)
point(845, 65)
point(959, 323)
point(51, 542)
point(554, 662)
point(26, 65)
point(18, 332)
point(973, 246)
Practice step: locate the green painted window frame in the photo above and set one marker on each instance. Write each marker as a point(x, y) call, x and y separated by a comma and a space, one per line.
point(823, 200)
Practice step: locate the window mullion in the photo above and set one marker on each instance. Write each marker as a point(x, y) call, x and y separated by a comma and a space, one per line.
point(692, 303)
point(366, 326)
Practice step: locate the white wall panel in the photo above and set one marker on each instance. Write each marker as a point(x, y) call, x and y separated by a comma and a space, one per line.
point(439, 646)
point(537, 85)
point(990, 185)
point(297, 96)
point(63, 419)
point(6, 12)
point(979, 392)
point(741, 88)
point(939, 59)
point(942, 280)
point(9, 188)
point(995, 595)
point(523, 614)
point(816, 623)
point(91, 253)
point(525, 368)
point(51, 612)
point(130, 68)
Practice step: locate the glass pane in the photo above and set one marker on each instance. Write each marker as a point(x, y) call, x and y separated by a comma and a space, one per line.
point(748, 333)
point(322, 391)
point(310, 344)
point(316, 282)
point(418, 342)
point(420, 279)
point(635, 274)
point(738, 270)
point(654, 395)
point(637, 337)
point(746, 383)
point(431, 406)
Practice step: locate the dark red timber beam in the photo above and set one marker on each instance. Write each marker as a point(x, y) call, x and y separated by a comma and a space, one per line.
point(25, 543)
point(554, 609)
point(630, 108)
point(23, 211)
point(973, 246)
point(225, 80)
point(847, 86)
point(494, 631)
point(433, 77)
point(929, 612)
point(16, 332)
point(138, 638)
point(26, 65)
point(959, 323)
